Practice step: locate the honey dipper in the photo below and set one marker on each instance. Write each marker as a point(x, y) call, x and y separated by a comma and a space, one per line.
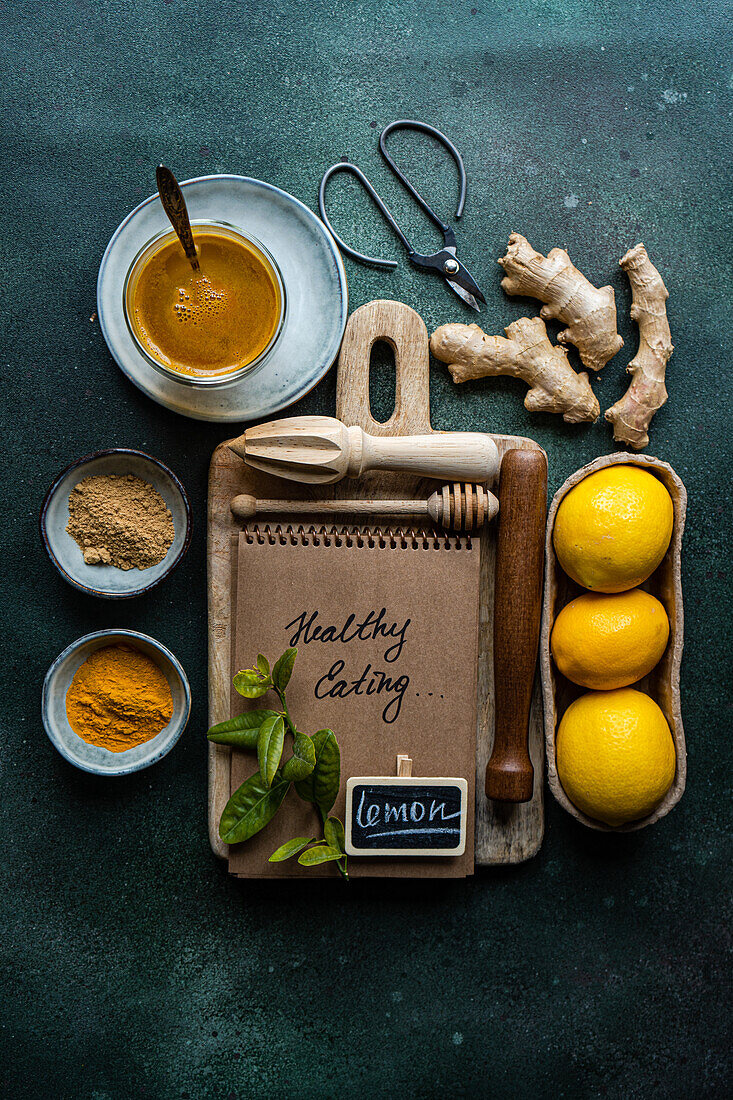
point(458, 507)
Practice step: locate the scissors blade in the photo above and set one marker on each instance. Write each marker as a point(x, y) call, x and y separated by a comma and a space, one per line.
point(466, 295)
point(462, 278)
point(447, 264)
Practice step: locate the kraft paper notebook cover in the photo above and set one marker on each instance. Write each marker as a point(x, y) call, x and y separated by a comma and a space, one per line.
point(391, 670)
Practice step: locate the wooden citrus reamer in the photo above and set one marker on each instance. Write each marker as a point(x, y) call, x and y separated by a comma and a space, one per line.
point(322, 450)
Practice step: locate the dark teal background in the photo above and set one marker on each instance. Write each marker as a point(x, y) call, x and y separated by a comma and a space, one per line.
point(132, 966)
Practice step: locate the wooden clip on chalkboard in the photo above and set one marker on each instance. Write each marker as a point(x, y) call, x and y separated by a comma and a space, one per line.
point(405, 815)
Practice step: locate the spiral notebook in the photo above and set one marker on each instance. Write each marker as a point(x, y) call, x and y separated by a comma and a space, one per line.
point(386, 627)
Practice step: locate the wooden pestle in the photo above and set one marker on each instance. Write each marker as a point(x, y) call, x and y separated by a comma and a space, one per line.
point(459, 507)
point(321, 450)
point(517, 613)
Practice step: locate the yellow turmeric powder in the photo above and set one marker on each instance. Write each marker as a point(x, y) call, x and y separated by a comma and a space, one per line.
point(118, 698)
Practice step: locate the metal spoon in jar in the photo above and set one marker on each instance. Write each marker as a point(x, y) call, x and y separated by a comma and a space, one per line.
point(174, 205)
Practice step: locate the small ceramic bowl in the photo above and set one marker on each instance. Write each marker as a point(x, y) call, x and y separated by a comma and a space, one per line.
point(65, 553)
point(92, 758)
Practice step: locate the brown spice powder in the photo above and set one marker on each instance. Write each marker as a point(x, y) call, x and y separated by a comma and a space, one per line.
point(120, 520)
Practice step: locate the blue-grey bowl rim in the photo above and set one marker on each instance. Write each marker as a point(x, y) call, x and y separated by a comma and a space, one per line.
point(95, 591)
point(117, 632)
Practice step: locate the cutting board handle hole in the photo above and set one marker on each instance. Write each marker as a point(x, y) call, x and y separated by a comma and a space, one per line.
point(382, 381)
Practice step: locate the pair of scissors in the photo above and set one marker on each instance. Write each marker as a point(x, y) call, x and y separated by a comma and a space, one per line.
point(445, 262)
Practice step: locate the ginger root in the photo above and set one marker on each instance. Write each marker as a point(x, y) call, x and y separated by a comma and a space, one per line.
point(589, 313)
point(526, 353)
point(632, 415)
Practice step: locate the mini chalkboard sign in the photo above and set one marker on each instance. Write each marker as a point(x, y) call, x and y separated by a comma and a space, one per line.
point(405, 816)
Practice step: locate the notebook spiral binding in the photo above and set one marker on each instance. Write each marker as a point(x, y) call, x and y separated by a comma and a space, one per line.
point(397, 538)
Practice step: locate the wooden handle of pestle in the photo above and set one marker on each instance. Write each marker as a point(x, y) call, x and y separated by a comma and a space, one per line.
point(517, 613)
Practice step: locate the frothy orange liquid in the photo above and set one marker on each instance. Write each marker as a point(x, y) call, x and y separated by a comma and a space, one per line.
point(213, 321)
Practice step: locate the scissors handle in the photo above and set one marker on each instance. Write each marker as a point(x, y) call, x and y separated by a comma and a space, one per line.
point(412, 124)
point(437, 260)
point(347, 166)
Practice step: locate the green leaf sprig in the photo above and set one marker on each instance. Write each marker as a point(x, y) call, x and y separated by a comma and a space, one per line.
point(314, 769)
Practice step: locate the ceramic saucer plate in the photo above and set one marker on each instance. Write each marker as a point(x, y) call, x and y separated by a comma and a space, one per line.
point(65, 553)
point(315, 289)
point(93, 758)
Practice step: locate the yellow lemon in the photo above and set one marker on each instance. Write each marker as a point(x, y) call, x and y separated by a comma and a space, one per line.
point(613, 528)
point(608, 641)
point(615, 755)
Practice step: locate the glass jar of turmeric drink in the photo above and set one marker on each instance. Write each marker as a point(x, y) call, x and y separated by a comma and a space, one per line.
point(206, 327)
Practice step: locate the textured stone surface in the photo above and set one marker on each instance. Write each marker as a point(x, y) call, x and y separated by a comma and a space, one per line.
point(131, 965)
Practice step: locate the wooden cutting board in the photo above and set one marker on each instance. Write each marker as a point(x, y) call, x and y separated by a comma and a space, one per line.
point(504, 833)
